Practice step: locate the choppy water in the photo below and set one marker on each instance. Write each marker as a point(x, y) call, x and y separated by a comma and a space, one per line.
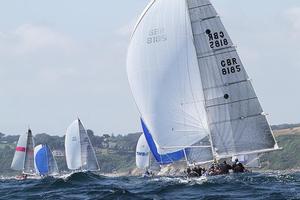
point(90, 186)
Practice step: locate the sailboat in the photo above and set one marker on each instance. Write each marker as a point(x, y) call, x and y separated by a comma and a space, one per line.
point(23, 159)
point(45, 163)
point(193, 93)
point(144, 158)
point(80, 154)
point(142, 154)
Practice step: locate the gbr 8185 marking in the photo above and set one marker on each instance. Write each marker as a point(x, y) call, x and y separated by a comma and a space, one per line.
point(230, 66)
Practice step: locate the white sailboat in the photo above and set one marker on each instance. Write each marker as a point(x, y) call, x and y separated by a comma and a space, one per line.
point(142, 154)
point(23, 159)
point(80, 154)
point(44, 161)
point(189, 85)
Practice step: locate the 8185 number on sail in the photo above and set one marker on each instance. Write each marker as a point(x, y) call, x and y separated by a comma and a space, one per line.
point(230, 66)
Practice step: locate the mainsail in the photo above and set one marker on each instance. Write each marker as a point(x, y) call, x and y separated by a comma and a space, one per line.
point(45, 163)
point(24, 159)
point(142, 153)
point(189, 82)
point(235, 117)
point(80, 154)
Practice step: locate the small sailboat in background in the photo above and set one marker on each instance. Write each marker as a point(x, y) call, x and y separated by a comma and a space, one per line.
point(24, 159)
point(45, 163)
point(190, 85)
point(143, 157)
point(80, 154)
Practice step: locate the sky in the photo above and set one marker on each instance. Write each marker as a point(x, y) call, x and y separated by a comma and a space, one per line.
point(60, 60)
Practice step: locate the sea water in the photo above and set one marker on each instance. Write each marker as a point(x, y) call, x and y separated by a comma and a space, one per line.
point(275, 185)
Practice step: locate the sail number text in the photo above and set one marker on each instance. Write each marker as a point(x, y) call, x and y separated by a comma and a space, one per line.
point(156, 35)
point(230, 66)
point(216, 39)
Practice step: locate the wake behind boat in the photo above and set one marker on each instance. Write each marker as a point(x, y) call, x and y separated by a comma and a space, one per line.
point(195, 98)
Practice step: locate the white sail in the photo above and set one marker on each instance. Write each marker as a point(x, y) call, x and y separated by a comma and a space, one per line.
point(249, 160)
point(23, 159)
point(165, 80)
point(45, 163)
point(142, 153)
point(235, 117)
point(80, 154)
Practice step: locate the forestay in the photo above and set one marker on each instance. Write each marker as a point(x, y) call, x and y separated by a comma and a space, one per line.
point(165, 80)
point(23, 159)
point(45, 163)
point(80, 154)
point(235, 117)
point(142, 153)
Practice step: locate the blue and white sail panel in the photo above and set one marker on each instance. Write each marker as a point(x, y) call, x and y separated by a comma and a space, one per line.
point(165, 81)
point(162, 159)
point(45, 163)
point(142, 153)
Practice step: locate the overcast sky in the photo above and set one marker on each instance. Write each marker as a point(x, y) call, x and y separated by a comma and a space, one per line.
point(61, 59)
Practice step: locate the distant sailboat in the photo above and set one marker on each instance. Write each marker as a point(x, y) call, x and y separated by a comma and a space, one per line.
point(45, 163)
point(190, 84)
point(80, 154)
point(23, 159)
point(142, 154)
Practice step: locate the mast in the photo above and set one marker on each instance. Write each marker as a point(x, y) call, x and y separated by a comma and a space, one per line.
point(235, 120)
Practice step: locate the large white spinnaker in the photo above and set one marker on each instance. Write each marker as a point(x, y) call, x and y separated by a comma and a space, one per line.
point(80, 154)
point(45, 163)
point(23, 159)
point(165, 81)
point(235, 117)
point(142, 153)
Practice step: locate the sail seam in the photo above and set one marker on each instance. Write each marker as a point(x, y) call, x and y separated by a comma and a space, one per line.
point(215, 54)
point(226, 85)
point(232, 102)
point(191, 8)
point(237, 119)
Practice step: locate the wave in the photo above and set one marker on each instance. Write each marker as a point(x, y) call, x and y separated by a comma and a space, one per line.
point(276, 185)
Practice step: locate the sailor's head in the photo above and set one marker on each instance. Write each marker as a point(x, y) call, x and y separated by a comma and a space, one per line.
point(225, 162)
point(236, 160)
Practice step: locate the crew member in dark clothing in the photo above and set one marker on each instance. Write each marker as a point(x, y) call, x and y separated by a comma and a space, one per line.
point(238, 167)
point(225, 168)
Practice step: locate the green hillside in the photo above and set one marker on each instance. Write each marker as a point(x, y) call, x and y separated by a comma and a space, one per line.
point(117, 153)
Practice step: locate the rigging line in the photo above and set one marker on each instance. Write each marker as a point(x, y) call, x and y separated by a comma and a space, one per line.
point(205, 97)
point(187, 64)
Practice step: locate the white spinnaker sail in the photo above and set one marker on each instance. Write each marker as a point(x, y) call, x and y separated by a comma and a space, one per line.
point(142, 153)
point(164, 76)
point(80, 154)
point(236, 121)
point(23, 159)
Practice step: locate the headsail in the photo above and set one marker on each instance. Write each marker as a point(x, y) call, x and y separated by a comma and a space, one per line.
point(80, 154)
point(45, 163)
point(165, 81)
point(235, 117)
point(142, 153)
point(23, 159)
